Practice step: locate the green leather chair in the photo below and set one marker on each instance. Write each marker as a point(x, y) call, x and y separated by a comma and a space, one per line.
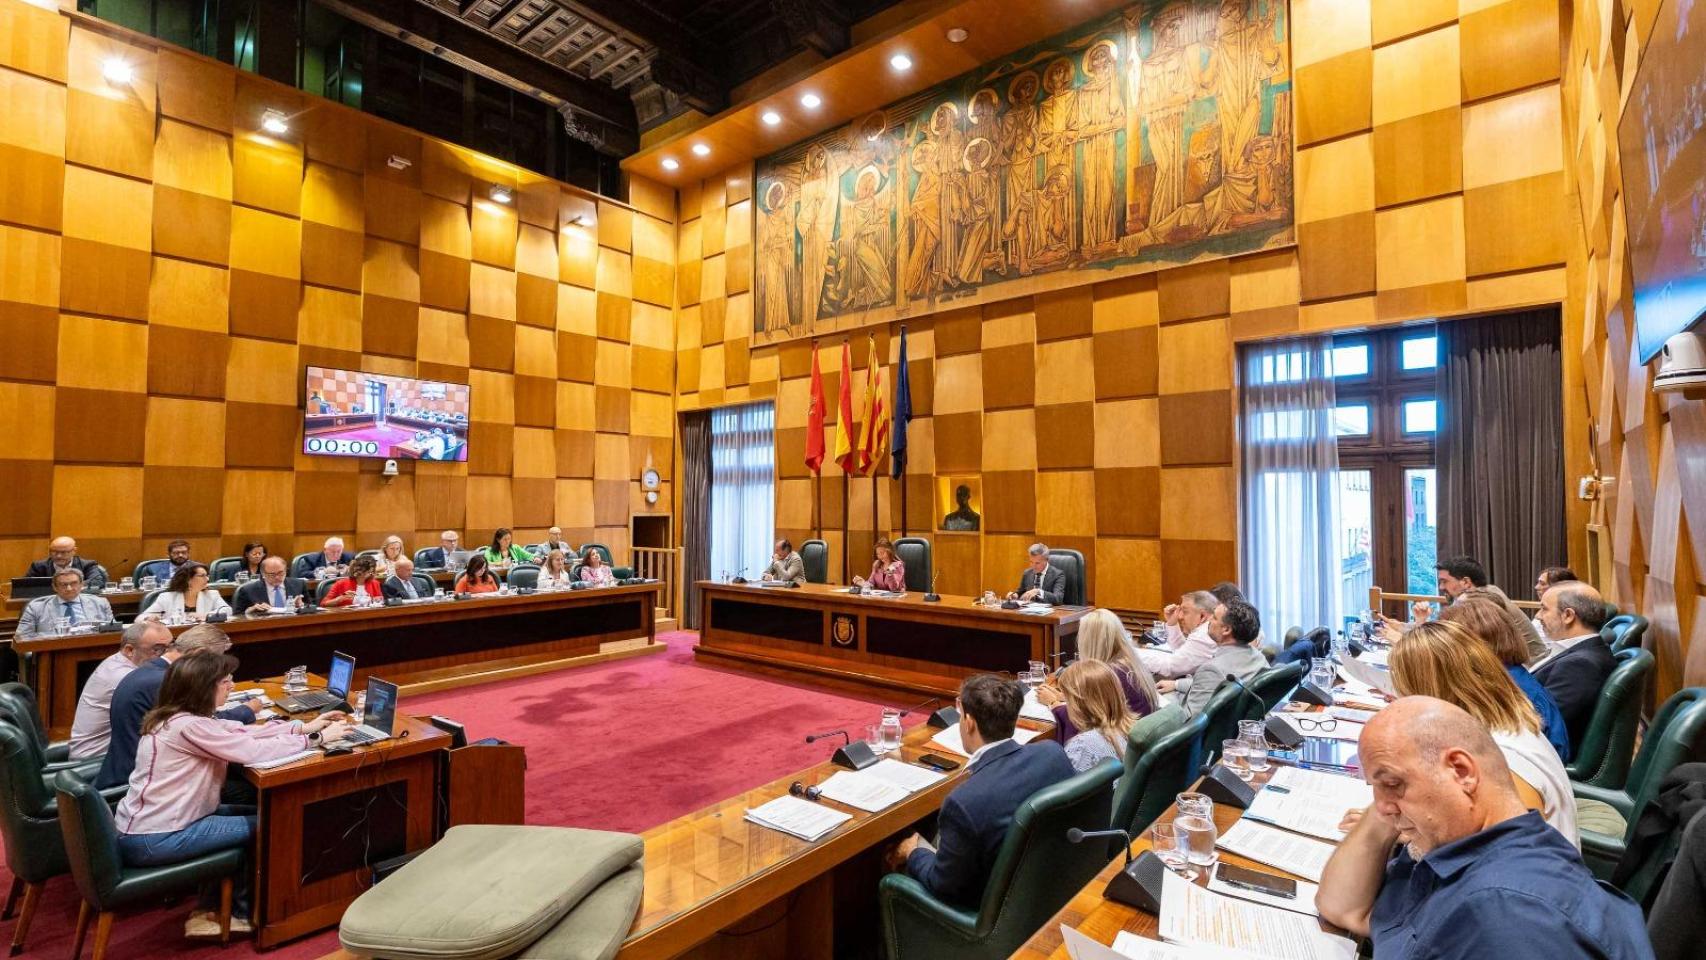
point(18, 706)
point(1231, 703)
point(29, 827)
point(107, 885)
point(814, 557)
point(1273, 684)
point(1602, 758)
point(1675, 736)
point(223, 569)
point(1624, 631)
point(1162, 755)
point(1036, 872)
point(160, 568)
point(523, 576)
point(915, 553)
point(424, 585)
point(323, 587)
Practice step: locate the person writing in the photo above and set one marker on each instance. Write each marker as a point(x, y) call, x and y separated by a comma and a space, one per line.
point(1235, 628)
point(504, 550)
point(785, 565)
point(477, 577)
point(1450, 864)
point(554, 573)
point(887, 571)
point(401, 583)
point(61, 556)
point(92, 725)
point(360, 588)
point(187, 595)
point(1097, 707)
point(172, 811)
point(594, 570)
point(1042, 582)
point(1101, 637)
point(272, 591)
point(68, 604)
point(254, 554)
point(330, 559)
point(1485, 620)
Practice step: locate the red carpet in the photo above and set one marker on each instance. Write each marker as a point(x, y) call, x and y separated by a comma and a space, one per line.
point(624, 745)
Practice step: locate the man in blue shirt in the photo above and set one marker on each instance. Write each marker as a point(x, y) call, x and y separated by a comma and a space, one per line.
point(1448, 863)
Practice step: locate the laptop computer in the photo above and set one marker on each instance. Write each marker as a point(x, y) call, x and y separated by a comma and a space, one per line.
point(381, 714)
point(457, 559)
point(338, 680)
point(29, 588)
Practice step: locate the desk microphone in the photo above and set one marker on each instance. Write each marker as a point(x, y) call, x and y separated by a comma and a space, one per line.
point(855, 755)
point(1076, 835)
point(942, 718)
point(815, 737)
point(1138, 884)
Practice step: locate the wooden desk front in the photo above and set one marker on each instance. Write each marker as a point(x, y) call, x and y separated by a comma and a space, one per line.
point(406, 644)
point(823, 634)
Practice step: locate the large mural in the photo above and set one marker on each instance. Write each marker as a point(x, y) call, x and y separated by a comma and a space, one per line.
point(1156, 136)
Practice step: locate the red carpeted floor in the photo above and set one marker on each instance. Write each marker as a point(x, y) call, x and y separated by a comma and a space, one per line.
point(624, 745)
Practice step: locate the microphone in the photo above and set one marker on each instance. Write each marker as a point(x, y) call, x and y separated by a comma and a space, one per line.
point(933, 596)
point(815, 737)
point(909, 711)
point(1076, 835)
point(853, 754)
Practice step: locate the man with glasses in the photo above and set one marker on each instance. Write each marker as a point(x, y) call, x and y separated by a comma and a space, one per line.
point(92, 727)
point(61, 556)
point(435, 558)
point(272, 591)
point(67, 606)
point(1188, 644)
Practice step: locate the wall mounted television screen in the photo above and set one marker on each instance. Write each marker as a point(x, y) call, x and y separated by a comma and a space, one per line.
point(1663, 154)
point(354, 414)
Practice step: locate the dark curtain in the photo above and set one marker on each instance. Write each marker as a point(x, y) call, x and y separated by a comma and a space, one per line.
point(1500, 444)
point(695, 511)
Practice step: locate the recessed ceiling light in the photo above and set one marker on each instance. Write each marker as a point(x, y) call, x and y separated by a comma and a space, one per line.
point(701, 150)
point(901, 62)
point(811, 101)
point(771, 118)
point(117, 71)
point(274, 122)
point(957, 34)
point(670, 163)
point(499, 193)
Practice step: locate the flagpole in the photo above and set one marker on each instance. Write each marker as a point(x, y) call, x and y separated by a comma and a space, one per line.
point(846, 474)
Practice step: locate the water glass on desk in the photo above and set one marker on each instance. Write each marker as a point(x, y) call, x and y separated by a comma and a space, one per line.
point(61, 626)
point(891, 731)
point(1235, 756)
point(1196, 819)
point(150, 582)
point(360, 705)
point(1321, 672)
point(296, 679)
point(1254, 733)
point(126, 584)
point(1168, 841)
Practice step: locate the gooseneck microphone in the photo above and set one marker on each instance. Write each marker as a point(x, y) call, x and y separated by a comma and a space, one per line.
point(1076, 835)
point(852, 754)
point(815, 737)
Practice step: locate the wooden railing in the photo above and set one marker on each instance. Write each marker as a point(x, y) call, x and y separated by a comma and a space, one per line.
point(662, 563)
point(1377, 600)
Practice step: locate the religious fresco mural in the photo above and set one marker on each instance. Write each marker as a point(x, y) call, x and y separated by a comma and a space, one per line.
point(1156, 136)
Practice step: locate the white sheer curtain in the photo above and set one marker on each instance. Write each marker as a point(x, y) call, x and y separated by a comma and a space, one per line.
point(1290, 466)
point(743, 488)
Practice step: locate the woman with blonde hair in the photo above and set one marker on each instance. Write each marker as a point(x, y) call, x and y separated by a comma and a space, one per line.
point(1097, 707)
point(1102, 637)
point(1486, 620)
point(389, 553)
point(1444, 660)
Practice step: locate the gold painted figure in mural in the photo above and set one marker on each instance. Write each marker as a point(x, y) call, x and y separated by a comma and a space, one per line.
point(814, 221)
point(948, 142)
point(1101, 114)
point(1058, 127)
point(870, 262)
point(978, 199)
point(1020, 231)
point(1163, 93)
point(983, 123)
point(776, 267)
point(925, 265)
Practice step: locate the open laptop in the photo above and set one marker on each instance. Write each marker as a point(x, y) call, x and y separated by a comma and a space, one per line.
point(29, 588)
point(338, 680)
point(380, 716)
point(456, 559)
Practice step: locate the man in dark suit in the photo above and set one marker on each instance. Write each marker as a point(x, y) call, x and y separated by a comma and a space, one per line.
point(401, 583)
point(976, 815)
point(448, 543)
point(1576, 670)
point(1043, 582)
point(62, 555)
point(273, 589)
point(331, 557)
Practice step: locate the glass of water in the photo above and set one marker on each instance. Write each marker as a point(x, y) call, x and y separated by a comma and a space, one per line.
point(1255, 736)
point(1196, 820)
point(360, 704)
point(891, 730)
point(1235, 756)
point(1321, 672)
point(1171, 847)
point(296, 679)
point(242, 576)
point(874, 736)
point(61, 626)
point(150, 582)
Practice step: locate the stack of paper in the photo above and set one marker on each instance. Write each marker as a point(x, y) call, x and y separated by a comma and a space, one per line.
point(1369, 675)
point(1033, 709)
point(800, 818)
point(1130, 946)
point(1193, 916)
point(1310, 802)
point(949, 739)
point(1276, 848)
point(878, 787)
point(907, 776)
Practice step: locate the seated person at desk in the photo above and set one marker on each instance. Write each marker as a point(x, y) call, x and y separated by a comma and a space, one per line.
point(1485, 620)
point(887, 571)
point(92, 726)
point(135, 696)
point(477, 578)
point(389, 553)
point(331, 557)
point(67, 602)
point(974, 819)
point(401, 583)
point(62, 555)
point(1042, 582)
point(785, 565)
point(362, 582)
point(1235, 627)
point(554, 571)
point(1103, 638)
point(1548, 578)
point(594, 570)
point(1188, 644)
point(254, 554)
point(554, 541)
point(172, 811)
point(1448, 863)
point(187, 595)
point(273, 590)
point(434, 558)
point(1580, 662)
point(177, 556)
point(504, 551)
point(1098, 710)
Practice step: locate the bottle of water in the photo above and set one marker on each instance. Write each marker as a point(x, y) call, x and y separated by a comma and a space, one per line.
point(891, 730)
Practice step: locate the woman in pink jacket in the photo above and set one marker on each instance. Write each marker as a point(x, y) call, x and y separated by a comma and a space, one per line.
point(172, 812)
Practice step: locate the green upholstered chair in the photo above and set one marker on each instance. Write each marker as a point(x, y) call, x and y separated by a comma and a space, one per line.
point(159, 568)
point(421, 563)
point(1624, 631)
point(299, 565)
point(1273, 684)
point(107, 885)
point(1231, 703)
point(1675, 736)
point(148, 599)
point(620, 573)
point(523, 576)
point(424, 585)
point(1161, 759)
point(223, 569)
point(29, 827)
point(814, 556)
point(1036, 872)
point(1608, 745)
point(18, 706)
point(915, 553)
point(321, 588)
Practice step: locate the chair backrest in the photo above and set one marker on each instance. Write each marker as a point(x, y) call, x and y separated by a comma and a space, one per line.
point(1607, 748)
point(420, 554)
point(369, 553)
point(1271, 685)
point(91, 838)
point(149, 598)
point(1071, 563)
point(523, 576)
point(19, 700)
point(1624, 631)
point(323, 587)
point(814, 556)
point(223, 569)
point(160, 567)
point(915, 553)
point(34, 850)
point(298, 567)
point(1231, 703)
point(1037, 869)
point(1158, 770)
point(424, 584)
point(1674, 737)
point(603, 553)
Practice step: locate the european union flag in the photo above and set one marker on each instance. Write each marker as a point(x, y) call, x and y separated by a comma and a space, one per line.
point(902, 412)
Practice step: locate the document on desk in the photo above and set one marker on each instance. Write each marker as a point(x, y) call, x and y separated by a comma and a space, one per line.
point(1334, 787)
point(1033, 709)
point(1368, 675)
point(1193, 916)
point(1303, 902)
point(800, 818)
point(1277, 848)
point(949, 739)
point(1352, 714)
point(1130, 946)
point(908, 776)
point(1307, 813)
point(863, 792)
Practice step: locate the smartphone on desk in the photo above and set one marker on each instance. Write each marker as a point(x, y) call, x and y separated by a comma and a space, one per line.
point(1247, 879)
point(934, 762)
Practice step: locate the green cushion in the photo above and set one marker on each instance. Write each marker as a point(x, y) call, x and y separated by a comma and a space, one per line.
point(1594, 816)
point(484, 892)
point(596, 927)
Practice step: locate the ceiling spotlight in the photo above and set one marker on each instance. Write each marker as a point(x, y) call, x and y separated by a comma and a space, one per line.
point(701, 150)
point(118, 71)
point(670, 163)
point(811, 101)
point(771, 118)
point(957, 34)
point(901, 62)
point(499, 193)
point(275, 122)
point(398, 162)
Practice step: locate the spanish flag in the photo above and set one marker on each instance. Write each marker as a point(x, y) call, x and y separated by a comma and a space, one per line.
point(845, 454)
point(876, 418)
point(814, 419)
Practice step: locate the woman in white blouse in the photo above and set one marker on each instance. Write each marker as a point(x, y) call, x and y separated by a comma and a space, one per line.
point(186, 595)
point(389, 553)
point(554, 572)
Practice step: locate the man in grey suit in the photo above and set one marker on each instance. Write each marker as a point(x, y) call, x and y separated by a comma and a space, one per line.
point(785, 565)
point(1235, 627)
point(68, 602)
point(1043, 582)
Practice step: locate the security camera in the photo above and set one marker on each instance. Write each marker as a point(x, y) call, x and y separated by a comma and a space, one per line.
point(390, 468)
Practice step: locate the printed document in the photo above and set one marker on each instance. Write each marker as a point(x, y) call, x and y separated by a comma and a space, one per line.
point(861, 792)
point(1129, 946)
point(1193, 916)
point(1368, 675)
point(1033, 708)
point(908, 776)
point(800, 818)
point(949, 739)
point(1277, 848)
point(1302, 813)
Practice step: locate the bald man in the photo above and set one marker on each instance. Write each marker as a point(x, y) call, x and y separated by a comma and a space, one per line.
point(62, 555)
point(1448, 863)
point(1575, 671)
